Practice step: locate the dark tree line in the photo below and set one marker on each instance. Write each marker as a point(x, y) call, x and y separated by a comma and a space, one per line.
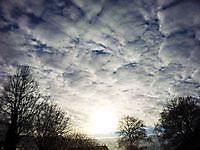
point(27, 112)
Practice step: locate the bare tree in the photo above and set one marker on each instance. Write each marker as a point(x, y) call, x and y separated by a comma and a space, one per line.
point(50, 126)
point(20, 101)
point(131, 132)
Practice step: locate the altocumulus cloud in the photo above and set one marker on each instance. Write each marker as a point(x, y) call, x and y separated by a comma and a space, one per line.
point(131, 54)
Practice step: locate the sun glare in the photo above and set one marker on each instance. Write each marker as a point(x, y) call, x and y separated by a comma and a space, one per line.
point(103, 121)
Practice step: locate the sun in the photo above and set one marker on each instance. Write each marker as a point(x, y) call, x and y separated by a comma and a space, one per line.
point(103, 121)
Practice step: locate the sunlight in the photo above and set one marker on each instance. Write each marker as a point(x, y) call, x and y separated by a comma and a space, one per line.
point(103, 121)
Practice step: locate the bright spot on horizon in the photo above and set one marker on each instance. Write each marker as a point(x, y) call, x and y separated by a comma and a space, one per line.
point(103, 121)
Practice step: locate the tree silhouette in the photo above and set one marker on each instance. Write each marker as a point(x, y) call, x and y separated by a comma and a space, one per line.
point(131, 132)
point(50, 126)
point(69, 141)
point(178, 120)
point(80, 140)
point(20, 101)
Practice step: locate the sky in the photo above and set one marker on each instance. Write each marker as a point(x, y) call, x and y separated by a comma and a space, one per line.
point(128, 55)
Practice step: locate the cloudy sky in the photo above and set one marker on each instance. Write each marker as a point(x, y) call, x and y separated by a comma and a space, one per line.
point(131, 55)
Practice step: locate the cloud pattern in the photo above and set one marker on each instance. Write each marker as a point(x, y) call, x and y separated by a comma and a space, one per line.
point(131, 54)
